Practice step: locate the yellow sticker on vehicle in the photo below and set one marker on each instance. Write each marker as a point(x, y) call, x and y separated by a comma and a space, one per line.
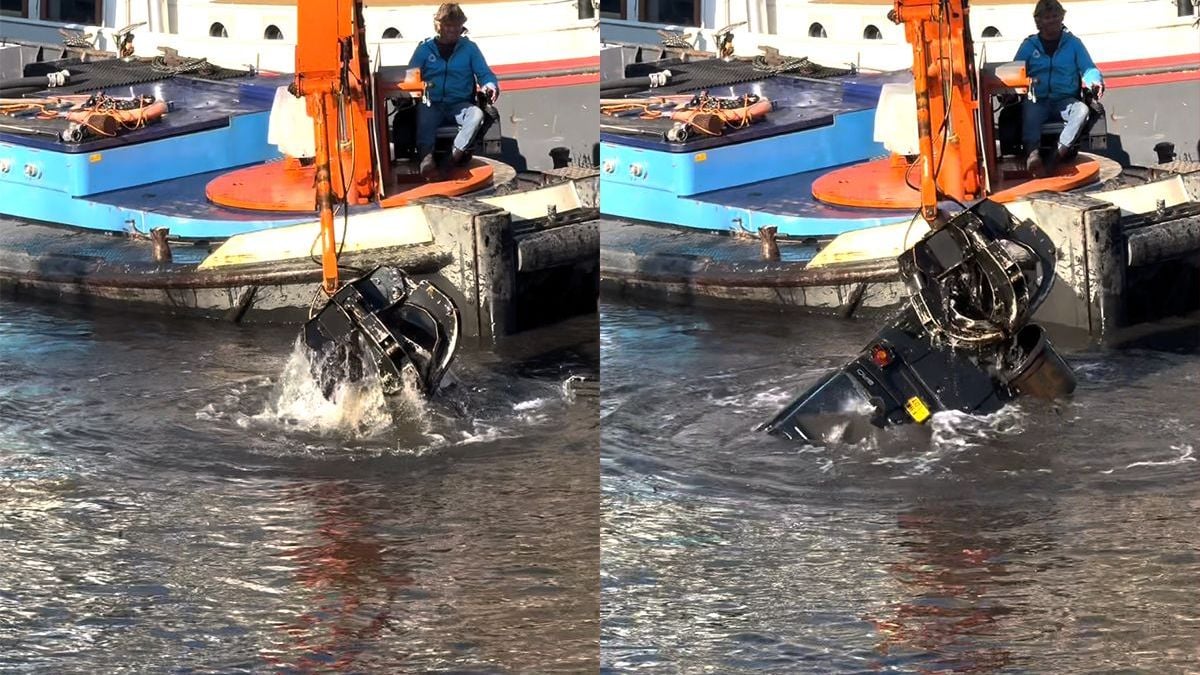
point(95, 157)
point(701, 156)
point(917, 410)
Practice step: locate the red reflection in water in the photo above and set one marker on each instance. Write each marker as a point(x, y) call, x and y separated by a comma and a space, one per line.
point(352, 588)
point(949, 576)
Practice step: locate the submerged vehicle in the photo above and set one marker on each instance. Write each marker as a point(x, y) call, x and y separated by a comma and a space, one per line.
point(404, 331)
point(964, 342)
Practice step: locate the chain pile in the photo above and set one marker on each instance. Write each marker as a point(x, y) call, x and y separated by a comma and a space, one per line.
point(702, 113)
point(101, 102)
point(180, 66)
point(799, 66)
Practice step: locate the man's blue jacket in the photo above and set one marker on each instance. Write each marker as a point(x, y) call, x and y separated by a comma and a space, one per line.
point(452, 80)
point(1059, 76)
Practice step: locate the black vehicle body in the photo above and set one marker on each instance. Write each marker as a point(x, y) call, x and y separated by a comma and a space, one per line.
point(964, 342)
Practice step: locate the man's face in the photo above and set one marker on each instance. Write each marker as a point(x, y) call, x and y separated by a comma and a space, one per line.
point(448, 32)
point(1049, 23)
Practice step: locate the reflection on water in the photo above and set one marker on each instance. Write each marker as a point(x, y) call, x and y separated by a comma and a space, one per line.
point(1039, 539)
point(353, 586)
point(951, 608)
point(157, 512)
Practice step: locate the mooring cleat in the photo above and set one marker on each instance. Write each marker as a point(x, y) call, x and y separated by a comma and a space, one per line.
point(386, 319)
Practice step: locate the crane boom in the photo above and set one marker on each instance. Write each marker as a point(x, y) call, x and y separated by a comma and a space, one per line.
point(332, 75)
point(332, 66)
point(958, 152)
point(947, 99)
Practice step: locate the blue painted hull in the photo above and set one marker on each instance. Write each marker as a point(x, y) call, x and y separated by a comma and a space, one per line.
point(756, 176)
point(154, 176)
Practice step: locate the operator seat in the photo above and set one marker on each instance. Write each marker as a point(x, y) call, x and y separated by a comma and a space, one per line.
point(1093, 136)
point(404, 131)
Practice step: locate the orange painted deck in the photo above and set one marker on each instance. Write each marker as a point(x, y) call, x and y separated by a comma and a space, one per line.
point(276, 187)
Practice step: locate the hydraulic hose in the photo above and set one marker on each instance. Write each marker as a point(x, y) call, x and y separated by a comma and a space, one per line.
point(636, 83)
point(47, 81)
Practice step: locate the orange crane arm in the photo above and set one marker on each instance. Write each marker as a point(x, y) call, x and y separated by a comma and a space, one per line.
point(947, 99)
point(332, 76)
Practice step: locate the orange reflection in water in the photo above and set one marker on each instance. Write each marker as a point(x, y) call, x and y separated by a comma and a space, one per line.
point(949, 576)
point(353, 585)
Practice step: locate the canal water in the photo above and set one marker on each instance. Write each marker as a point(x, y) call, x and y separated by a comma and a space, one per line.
point(174, 498)
point(1041, 539)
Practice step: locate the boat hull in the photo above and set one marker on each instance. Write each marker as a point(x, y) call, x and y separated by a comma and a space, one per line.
point(506, 271)
point(1124, 254)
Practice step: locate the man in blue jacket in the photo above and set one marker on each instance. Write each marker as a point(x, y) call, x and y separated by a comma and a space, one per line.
point(451, 66)
point(1060, 67)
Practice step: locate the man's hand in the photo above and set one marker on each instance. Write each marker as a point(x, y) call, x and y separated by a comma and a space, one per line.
point(492, 93)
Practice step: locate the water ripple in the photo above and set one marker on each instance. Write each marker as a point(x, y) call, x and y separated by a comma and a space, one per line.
point(166, 512)
point(1037, 539)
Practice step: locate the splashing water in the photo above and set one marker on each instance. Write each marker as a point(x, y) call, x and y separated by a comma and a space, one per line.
point(954, 430)
point(1040, 538)
point(161, 509)
point(355, 406)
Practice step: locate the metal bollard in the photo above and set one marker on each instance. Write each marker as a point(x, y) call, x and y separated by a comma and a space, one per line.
point(770, 247)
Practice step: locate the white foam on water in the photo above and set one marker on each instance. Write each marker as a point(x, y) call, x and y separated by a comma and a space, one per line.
point(533, 404)
point(1186, 455)
point(483, 433)
point(1093, 371)
point(408, 422)
point(772, 397)
point(955, 431)
point(209, 413)
point(515, 418)
point(855, 405)
point(353, 408)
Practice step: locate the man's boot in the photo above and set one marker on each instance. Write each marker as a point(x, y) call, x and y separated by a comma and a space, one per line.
point(429, 168)
point(460, 157)
point(1033, 164)
point(1061, 155)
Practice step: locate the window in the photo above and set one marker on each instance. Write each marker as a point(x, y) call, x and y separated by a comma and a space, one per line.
point(391, 34)
point(872, 33)
point(675, 12)
point(816, 30)
point(612, 9)
point(217, 30)
point(273, 33)
point(89, 12)
point(991, 32)
point(14, 8)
